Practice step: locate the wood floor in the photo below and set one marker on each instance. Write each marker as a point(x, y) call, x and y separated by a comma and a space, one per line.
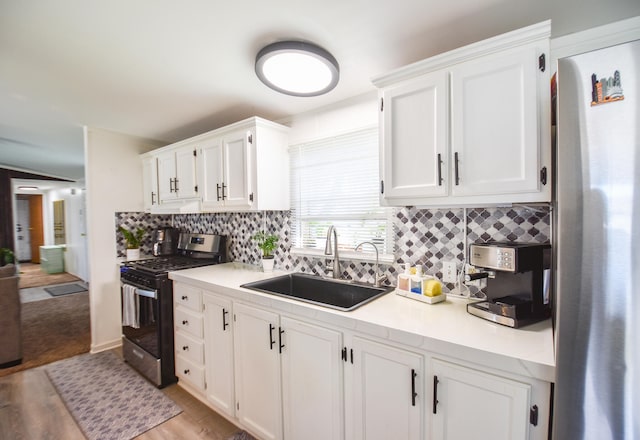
point(31, 409)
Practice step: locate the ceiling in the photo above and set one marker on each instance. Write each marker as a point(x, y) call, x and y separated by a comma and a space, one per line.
point(168, 70)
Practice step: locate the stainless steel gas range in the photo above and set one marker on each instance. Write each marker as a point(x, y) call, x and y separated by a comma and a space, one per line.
point(147, 304)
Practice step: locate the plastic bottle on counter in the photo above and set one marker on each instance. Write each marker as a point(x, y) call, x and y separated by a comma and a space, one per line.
point(417, 280)
point(404, 279)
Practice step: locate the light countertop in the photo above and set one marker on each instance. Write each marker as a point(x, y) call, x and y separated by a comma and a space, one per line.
point(444, 328)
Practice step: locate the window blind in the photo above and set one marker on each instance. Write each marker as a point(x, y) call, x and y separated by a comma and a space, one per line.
point(335, 181)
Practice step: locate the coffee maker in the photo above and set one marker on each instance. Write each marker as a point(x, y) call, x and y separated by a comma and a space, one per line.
point(165, 241)
point(517, 282)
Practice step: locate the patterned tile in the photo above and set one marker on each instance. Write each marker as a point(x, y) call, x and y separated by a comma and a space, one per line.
point(421, 236)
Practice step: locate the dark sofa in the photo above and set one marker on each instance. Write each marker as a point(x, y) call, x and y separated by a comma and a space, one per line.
point(10, 326)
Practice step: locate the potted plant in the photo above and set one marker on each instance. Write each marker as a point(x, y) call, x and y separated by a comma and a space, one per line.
point(133, 239)
point(6, 256)
point(267, 244)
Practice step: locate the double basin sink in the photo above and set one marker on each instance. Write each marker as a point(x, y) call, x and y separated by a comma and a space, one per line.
point(336, 294)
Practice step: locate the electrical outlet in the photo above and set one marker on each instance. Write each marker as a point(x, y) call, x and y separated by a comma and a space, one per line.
point(449, 272)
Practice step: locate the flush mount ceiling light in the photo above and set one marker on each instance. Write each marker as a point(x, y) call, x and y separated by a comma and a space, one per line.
point(28, 188)
point(296, 68)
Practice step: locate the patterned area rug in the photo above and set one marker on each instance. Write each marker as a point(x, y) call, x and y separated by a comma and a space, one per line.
point(107, 398)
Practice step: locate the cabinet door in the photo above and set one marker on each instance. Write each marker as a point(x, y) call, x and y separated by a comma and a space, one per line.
point(256, 347)
point(218, 340)
point(237, 169)
point(473, 404)
point(186, 184)
point(414, 138)
point(494, 124)
point(212, 177)
point(149, 182)
point(311, 381)
point(386, 392)
point(166, 174)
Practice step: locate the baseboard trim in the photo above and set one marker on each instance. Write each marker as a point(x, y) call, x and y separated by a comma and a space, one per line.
point(11, 364)
point(97, 348)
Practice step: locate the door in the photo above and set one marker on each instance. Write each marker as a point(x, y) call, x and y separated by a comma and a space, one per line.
point(414, 135)
point(23, 235)
point(386, 392)
point(212, 174)
point(149, 182)
point(312, 386)
point(218, 340)
point(237, 169)
point(470, 404)
point(257, 355)
point(185, 184)
point(36, 228)
point(166, 176)
point(494, 124)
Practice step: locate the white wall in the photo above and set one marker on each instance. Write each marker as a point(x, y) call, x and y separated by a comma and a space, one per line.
point(346, 116)
point(113, 177)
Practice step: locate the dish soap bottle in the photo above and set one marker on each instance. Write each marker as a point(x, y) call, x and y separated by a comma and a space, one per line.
point(417, 280)
point(404, 279)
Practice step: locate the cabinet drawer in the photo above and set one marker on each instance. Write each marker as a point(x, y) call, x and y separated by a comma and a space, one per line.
point(190, 372)
point(189, 347)
point(188, 321)
point(188, 296)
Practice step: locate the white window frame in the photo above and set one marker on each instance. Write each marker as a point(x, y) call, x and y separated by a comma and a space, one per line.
point(367, 252)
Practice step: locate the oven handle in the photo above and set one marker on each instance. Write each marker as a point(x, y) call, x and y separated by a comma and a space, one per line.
point(142, 291)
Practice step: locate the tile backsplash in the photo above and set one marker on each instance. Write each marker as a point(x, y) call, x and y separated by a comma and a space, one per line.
point(421, 236)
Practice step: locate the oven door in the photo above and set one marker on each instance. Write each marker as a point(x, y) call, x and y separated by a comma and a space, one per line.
point(140, 317)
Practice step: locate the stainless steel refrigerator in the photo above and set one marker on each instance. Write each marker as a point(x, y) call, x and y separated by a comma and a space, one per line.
point(597, 391)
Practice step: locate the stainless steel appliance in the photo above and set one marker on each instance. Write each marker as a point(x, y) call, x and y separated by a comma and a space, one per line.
point(165, 241)
point(147, 304)
point(517, 282)
point(597, 390)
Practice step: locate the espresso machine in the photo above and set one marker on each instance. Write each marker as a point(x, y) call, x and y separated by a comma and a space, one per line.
point(517, 282)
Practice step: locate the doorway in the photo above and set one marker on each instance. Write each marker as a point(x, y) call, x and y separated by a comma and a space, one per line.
point(29, 227)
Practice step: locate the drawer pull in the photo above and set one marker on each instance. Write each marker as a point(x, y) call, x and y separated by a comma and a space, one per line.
point(185, 348)
point(185, 297)
point(187, 371)
point(185, 322)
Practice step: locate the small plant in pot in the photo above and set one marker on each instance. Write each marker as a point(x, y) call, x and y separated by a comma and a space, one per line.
point(6, 256)
point(267, 244)
point(133, 239)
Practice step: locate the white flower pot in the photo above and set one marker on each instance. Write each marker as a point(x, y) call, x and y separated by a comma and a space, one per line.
point(133, 254)
point(267, 264)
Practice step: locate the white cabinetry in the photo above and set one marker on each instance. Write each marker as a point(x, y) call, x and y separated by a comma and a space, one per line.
point(469, 403)
point(384, 392)
point(257, 372)
point(188, 341)
point(245, 166)
point(218, 340)
point(312, 375)
point(149, 182)
point(177, 174)
point(469, 127)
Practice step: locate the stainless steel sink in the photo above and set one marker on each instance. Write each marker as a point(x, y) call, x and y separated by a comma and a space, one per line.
point(336, 294)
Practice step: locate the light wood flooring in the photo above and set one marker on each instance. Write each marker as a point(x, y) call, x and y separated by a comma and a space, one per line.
point(31, 409)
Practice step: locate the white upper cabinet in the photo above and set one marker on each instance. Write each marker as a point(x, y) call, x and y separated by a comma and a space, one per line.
point(242, 166)
point(177, 174)
point(415, 123)
point(469, 127)
point(149, 182)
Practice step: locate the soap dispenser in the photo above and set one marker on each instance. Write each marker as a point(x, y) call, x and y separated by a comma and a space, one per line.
point(404, 279)
point(416, 281)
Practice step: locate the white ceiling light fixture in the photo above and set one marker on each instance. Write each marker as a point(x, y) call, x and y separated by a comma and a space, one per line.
point(297, 68)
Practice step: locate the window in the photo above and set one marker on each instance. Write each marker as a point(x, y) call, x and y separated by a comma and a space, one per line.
point(335, 181)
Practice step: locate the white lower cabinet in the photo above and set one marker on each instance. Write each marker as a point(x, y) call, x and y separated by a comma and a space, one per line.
point(257, 372)
point(218, 340)
point(385, 392)
point(284, 377)
point(469, 403)
point(312, 377)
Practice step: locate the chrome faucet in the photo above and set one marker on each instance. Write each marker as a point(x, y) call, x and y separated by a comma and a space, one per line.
point(328, 251)
point(377, 277)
